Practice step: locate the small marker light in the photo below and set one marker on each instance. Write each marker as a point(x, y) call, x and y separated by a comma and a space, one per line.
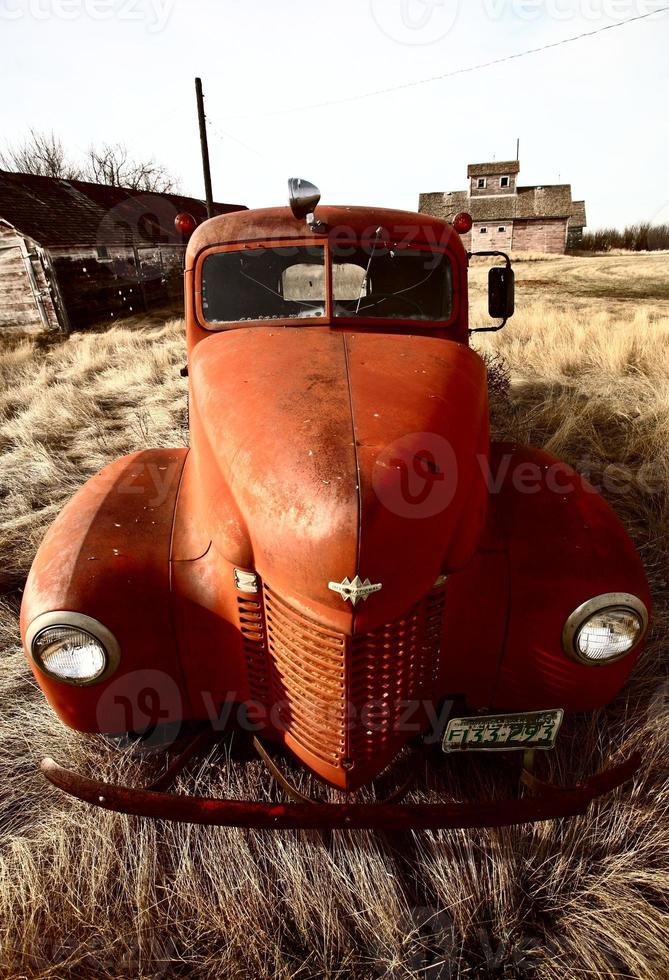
point(185, 223)
point(462, 223)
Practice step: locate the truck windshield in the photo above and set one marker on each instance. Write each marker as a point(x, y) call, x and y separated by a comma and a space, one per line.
point(395, 283)
point(290, 282)
point(264, 284)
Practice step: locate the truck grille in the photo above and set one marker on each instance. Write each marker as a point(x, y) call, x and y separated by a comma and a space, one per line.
point(344, 696)
point(391, 669)
point(309, 679)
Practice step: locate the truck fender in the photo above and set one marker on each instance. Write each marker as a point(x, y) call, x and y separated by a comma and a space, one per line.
point(565, 546)
point(107, 557)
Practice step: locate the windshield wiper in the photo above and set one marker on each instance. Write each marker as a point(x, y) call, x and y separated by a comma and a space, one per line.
point(365, 280)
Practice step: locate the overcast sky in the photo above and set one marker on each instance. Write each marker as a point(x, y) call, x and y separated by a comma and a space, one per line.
point(592, 113)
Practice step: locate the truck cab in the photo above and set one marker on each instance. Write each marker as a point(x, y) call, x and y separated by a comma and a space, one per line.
point(376, 270)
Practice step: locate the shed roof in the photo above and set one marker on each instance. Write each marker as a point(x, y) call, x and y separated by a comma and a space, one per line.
point(553, 201)
point(62, 213)
point(495, 167)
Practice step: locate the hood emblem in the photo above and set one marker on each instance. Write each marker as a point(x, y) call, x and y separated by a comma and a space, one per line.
point(354, 590)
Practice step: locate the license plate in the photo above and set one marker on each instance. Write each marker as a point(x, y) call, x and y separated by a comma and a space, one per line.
point(488, 733)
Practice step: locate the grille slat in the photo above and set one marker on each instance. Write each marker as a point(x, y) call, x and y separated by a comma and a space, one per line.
point(322, 633)
point(252, 627)
point(305, 651)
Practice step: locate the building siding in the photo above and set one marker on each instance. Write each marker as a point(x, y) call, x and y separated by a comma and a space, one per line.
point(26, 300)
point(493, 185)
point(541, 235)
point(486, 236)
point(129, 279)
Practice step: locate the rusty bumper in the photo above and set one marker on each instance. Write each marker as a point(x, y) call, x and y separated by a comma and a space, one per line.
point(547, 802)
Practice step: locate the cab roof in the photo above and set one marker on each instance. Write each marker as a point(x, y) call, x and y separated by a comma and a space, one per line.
point(339, 223)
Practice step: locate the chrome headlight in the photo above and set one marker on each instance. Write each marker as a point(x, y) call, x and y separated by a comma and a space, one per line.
point(605, 629)
point(72, 648)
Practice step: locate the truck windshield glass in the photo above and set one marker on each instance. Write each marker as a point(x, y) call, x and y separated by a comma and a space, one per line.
point(264, 284)
point(395, 283)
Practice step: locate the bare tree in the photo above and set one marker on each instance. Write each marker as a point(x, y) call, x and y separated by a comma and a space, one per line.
point(112, 164)
point(40, 153)
point(43, 154)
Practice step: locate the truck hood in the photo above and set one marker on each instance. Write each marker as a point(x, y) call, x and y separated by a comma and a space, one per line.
point(323, 454)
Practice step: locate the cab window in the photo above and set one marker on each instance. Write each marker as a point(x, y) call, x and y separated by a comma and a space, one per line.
point(264, 284)
point(393, 283)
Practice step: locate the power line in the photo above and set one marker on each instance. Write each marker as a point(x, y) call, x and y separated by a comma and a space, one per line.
point(223, 135)
point(450, 74)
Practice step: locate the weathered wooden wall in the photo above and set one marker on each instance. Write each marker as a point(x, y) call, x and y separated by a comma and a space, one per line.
point(487, 236)
point(493, 185)
point(26, 301)
point(96, 286)
point(540, 235)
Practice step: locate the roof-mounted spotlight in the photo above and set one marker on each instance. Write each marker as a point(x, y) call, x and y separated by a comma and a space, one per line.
point(303, 197)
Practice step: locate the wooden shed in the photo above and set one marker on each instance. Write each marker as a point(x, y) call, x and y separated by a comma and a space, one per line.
point(73, 253)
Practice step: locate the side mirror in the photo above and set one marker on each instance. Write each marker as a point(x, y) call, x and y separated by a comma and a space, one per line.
point(501, 292)
point(303, 196)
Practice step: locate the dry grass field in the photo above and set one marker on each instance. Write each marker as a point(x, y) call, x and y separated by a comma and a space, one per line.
point(85, 893)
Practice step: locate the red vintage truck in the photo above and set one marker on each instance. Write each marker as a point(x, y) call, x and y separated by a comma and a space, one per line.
point(341, 563)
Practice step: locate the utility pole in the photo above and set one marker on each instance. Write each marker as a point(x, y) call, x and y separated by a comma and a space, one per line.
point(204, 144)
point(517, 149)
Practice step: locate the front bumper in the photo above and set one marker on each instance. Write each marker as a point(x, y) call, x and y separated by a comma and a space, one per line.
point(547, 802)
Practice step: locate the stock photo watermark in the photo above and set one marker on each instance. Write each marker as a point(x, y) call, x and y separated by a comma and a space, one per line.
point(425, 22)
point(415, 22)
point(153, 14)
point(146, 707)
point(149, 701)
point(567, 10)
point(124, 955)
point(150, 481)
point(430, 944)
point(419, 475)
